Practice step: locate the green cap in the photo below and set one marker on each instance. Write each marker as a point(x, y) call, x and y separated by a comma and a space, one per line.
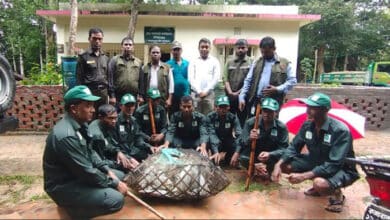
point(270, 103)
point(318, 100)
point(80, 92)
point(127, 98)
point(153, 93)
point(222, 100)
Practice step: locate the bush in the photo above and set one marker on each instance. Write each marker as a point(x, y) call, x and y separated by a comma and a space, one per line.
point(50, 76)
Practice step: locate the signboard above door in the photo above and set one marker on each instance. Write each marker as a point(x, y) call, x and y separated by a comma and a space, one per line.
point(159, 35)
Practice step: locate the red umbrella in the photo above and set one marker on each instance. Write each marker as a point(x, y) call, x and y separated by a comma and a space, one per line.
point(293, 114)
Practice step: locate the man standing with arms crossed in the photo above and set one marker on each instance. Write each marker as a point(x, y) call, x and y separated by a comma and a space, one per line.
point(92, 69)
point(235, 72)
point(203, 74)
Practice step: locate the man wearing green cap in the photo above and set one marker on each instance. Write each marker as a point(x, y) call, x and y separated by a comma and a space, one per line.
point(105, 139)
point(329, 142)
point(74, 175)
point(224, 127)
point(187, 128)
point(130, 138)
point(144, 119)
point(271, 139)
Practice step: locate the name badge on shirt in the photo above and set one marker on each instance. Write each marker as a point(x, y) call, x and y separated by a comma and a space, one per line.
point(194, 123)
point(146, 117)
point(327, 138)
point(274, 132)
point(105, 142)
point(79, 135)
point(181, 124)
point(216, 124)
point(308, 135)
point(121, 128)
point(90, 61)
point(253, 109)
point(157, 116)
point(227, 125)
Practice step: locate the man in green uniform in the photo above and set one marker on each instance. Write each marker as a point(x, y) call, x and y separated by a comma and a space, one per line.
point(143, 117)
point(224, 127)
point(125, 70)
point(130, 139)
point(187, 128)
point(92, 69)
point(235, 72)
point(271, 139)
point(74, 175)
point(329, 142)
point(105, 139)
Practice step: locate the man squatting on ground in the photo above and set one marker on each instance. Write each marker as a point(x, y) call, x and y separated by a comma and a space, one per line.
point(329, 142)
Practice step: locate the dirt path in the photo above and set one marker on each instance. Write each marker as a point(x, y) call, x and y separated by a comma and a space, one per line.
point(22, 195)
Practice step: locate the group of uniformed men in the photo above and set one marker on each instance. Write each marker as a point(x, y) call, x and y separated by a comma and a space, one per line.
point(85, 162)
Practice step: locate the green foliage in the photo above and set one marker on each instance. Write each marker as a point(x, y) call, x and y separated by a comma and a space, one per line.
point(306, 66)
point(42, 196)
point(51, 76)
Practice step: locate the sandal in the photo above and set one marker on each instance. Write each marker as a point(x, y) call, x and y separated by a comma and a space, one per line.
point(311, 192)
point(335, 205)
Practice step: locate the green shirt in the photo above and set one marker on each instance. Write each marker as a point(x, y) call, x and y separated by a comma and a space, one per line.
point(104, 140)
point(130, 138)
point(328, 150)
point(142, 116)
point(222, 129)
point(235, 72)
point(68, 158)
point(191, 130)
point(274, 140)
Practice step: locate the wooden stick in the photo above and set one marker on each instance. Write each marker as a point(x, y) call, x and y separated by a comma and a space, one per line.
point(150, 104)
point(253, 147)
point(144, 204)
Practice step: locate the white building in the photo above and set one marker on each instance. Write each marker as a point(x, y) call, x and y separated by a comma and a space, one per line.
point(222, 24)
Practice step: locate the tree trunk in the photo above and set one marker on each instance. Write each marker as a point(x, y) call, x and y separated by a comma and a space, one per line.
point(320, 62)
point(13, 57)
point(21, 62)
point(72, 28)
point(346, 62)
point(334, 63)
point(133, 18)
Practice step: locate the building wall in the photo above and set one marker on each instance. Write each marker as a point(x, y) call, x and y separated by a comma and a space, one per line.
point(188, 30)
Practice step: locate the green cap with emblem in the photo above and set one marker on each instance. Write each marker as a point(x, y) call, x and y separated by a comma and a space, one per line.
point(80, 92)
point(318, 99)
point(127, 98)
point(270, 103)
point(154, 93)
point(222, 100)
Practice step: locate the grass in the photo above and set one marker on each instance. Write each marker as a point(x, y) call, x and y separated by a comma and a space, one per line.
point(42, 196)
point(17, 187)
point(22, 179)
point(254, 186)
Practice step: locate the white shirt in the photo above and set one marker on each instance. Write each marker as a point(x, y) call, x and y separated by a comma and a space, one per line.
point(153, 78)
point(203, 74)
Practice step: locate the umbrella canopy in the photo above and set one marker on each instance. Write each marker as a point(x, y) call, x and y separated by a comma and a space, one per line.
point(293, 114)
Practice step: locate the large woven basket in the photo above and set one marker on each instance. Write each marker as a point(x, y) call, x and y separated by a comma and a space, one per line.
point(178, 174)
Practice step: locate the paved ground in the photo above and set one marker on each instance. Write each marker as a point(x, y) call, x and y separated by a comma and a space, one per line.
point(22, 157)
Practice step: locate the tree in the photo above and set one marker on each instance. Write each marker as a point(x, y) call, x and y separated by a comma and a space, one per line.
point(133, 18)
point(73, 27)
point(332, 35)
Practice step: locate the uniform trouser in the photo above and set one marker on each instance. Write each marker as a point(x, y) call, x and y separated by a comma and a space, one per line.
point(83, 201)
point(103, 94)
point(242, 115)
point(185, 143)
point(229, 147)
point(205, 105)
point(175, 106)
point(342, 178)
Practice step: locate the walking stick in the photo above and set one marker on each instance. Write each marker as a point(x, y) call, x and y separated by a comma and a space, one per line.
point(150, 208)
point(150, 104)
point(253, 147)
